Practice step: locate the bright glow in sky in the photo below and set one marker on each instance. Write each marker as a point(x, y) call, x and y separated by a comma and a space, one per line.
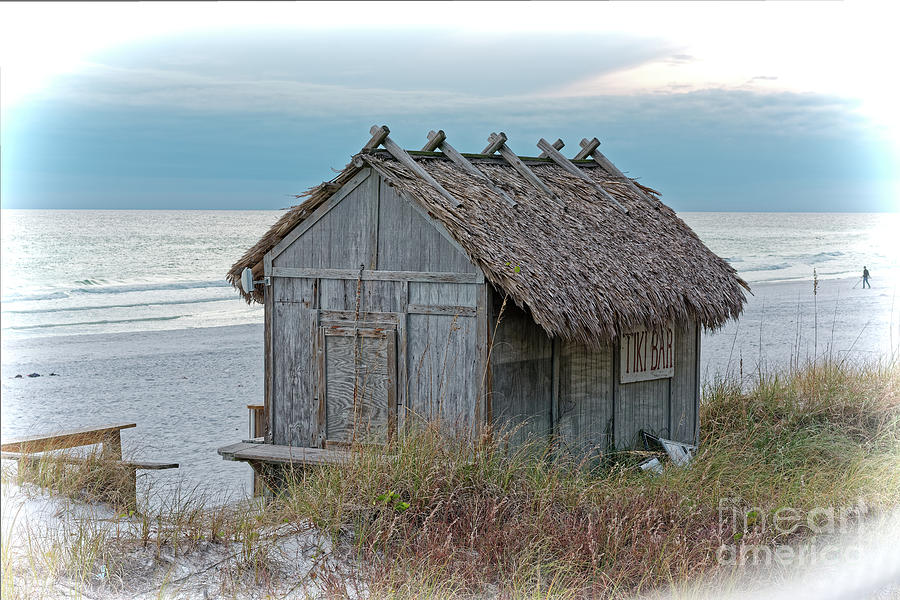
point(826, 47)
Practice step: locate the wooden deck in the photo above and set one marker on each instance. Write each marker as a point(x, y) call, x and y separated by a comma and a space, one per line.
point(273, 454)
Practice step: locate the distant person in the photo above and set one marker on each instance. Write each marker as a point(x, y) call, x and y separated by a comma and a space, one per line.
point(866, 278)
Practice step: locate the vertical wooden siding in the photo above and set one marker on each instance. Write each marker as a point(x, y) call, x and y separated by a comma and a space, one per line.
point(585, 399)
point(442, 381)
point(342, 238)
point(685, 393)
point(407, 242)
point(522, 374)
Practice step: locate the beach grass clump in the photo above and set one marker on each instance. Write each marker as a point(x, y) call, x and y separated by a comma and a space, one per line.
point(86, 476)
point(460, 515)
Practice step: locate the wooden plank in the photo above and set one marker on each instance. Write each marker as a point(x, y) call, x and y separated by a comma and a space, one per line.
point(641, 405)
point(337, 294)
point(340, 239)
point(282, 454)
point(322, 415)
point(402, 357)
point(59, 440)
point(294, 418)
point(697, 389)
point(148, 465)
point(590, 148)
point(421, 309)
point(482, 349)
point(554, 395)
point(269, 381)
point(374, 198)
point(451, 294)
point(567, 165)
point(401, 155)
point(320, 212)
point(683, 390)
point(515, 162)
point(467, 166)
point(441, 351)
point(379, 296)
point(347, 317)
point(358, 379)
point(558, 144)
point(350, 274)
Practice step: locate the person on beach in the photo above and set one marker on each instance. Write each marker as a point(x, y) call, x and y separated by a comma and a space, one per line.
point(866, 278)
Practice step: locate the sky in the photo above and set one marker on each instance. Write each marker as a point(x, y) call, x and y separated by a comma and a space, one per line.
point(720, 106)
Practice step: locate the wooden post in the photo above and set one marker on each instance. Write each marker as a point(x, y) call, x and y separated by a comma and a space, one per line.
point(569, 167)
point(378, 136)
point(435, 139)
point(112, 445)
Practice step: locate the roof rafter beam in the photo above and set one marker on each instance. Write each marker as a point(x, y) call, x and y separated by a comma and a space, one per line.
point(591, 148)
point(497, 143)
point(558, 144)
point(401, 155)
point(438, 140)
point(554, 155)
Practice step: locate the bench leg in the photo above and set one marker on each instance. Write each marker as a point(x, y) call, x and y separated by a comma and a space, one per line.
point(112, 446)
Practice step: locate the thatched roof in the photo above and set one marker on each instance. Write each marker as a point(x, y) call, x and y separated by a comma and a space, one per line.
point(583, 268)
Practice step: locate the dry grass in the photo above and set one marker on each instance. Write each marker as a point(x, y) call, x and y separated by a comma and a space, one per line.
point(468, 517)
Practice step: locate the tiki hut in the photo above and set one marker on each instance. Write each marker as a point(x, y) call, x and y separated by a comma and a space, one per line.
point(552, 294)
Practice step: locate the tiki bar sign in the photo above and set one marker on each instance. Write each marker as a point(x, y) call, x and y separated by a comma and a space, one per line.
point(647, 354)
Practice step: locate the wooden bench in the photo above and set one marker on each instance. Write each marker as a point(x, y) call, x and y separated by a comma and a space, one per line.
point(27, 450)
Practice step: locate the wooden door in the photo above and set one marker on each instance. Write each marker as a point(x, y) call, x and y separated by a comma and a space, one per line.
point(356, 384)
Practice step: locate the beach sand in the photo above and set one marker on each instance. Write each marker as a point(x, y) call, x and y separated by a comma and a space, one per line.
point(187, 389)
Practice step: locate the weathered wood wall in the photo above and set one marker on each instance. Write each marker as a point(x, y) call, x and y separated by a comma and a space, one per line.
point(585, 422)
point(522, 373)
point(546, 387)
point(433, 324)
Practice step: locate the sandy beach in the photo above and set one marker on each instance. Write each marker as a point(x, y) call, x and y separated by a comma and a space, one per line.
point(186, 389)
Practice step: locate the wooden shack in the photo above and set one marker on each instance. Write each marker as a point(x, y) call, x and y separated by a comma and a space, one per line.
point(550, 293)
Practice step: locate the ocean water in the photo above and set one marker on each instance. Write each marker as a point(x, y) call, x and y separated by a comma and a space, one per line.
point(98, 271)
point(86, 271)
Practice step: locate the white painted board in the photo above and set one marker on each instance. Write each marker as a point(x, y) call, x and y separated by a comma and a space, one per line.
point(646, 354)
